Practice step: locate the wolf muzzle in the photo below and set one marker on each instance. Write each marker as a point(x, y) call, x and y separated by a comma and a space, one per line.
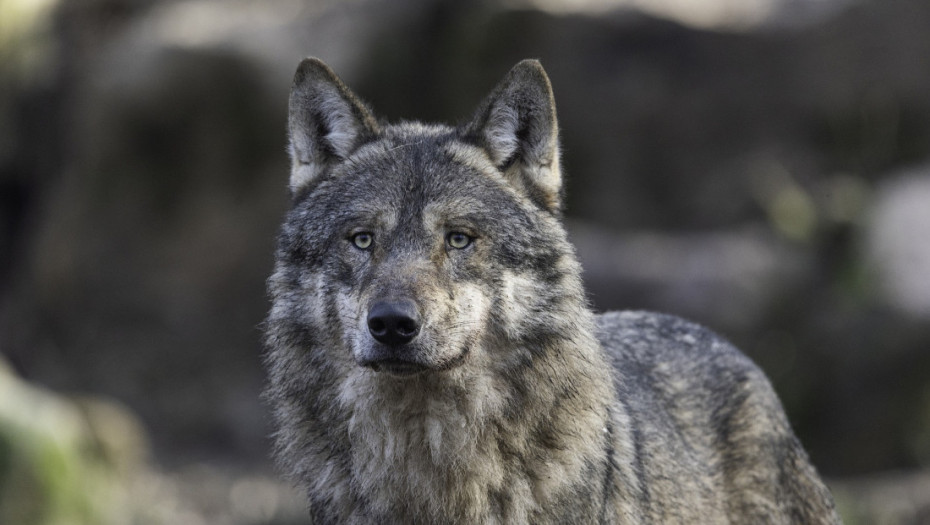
point(394, 324)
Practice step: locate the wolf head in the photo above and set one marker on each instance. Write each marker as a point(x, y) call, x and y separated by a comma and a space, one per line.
point(426, 303)
point(411, 247)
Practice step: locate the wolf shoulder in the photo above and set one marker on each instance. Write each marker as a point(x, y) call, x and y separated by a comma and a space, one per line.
point(682, 374)
point(659, 351)
point(703, 414)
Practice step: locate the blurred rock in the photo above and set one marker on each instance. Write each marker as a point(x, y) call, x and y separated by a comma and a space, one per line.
point(726, 278)
point(899, 240)
point(899, 498)
point(200, 494)
point(84, 461)
point(64, 462)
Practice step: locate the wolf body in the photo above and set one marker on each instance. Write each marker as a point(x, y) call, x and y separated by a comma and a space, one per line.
point(432, 357)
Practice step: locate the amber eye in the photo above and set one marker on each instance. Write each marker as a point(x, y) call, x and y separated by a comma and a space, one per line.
point(363, 240)
point(458, 240)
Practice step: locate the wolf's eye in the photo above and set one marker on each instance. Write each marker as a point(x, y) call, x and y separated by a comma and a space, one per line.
point(458, 240)
point(362, 240)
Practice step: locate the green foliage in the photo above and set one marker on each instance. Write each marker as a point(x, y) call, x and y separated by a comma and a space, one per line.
point(51, 471)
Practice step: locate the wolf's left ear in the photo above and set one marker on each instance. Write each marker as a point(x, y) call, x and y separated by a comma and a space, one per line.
point(326, 122)
point(517, 126)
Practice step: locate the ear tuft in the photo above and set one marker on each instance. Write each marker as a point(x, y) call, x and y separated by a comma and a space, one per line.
point(326, 122)
point(517, 127)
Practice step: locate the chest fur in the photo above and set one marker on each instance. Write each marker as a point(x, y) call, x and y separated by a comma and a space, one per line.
point(463, 451)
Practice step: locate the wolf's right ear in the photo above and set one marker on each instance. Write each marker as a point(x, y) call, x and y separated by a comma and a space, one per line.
point(326, 122)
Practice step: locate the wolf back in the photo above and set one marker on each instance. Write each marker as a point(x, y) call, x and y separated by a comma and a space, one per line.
point(432, 357)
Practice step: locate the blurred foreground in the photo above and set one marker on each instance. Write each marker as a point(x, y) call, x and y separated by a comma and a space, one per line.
point(85, 461)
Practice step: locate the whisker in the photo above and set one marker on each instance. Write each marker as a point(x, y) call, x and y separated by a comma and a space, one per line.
point(404, 146)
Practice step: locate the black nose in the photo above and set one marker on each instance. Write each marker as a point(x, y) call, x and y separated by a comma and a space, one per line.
point(394, 323)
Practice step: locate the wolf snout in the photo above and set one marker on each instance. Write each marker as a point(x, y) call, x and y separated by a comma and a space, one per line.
point(394, 323)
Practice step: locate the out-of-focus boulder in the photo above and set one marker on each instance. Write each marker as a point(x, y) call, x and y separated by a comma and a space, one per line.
point(724, 278)
point(64, 461)
point(898, 498)
point(898, 241)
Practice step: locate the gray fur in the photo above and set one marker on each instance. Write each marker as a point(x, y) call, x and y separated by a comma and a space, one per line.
point(514, 403)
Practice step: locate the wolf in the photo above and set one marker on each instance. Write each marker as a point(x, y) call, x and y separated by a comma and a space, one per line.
point(432, 357)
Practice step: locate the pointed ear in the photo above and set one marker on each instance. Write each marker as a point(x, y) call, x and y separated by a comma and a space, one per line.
point(517, 127)
point(326, 122)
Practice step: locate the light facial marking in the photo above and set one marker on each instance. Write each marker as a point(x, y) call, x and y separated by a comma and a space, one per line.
point(349, 309)
point(470, 308)
point(518, 297)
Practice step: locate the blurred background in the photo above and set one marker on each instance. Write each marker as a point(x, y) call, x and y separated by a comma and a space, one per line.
point(760, 166)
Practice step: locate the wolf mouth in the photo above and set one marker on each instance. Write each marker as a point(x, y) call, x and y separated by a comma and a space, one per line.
point(397, 367)
point(405, 367)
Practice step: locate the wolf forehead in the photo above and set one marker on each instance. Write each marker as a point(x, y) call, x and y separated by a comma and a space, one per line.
point(413, 174)
point(412, 156)
point(416, 181)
